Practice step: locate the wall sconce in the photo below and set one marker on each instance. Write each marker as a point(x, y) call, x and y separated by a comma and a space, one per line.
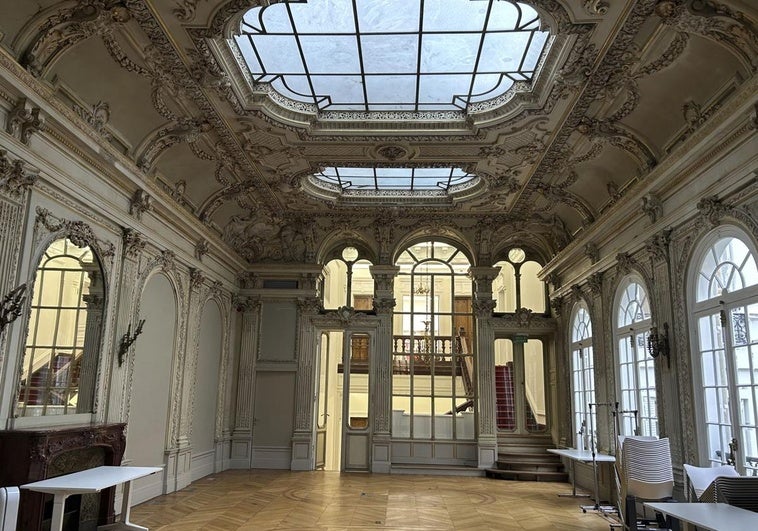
point(127, 340)
point(11, 305)
point(658, 344)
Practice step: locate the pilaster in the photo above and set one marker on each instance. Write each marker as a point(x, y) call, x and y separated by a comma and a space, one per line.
point(483, 306)
point(303, 444)
point(381, 363)
point(242, 432)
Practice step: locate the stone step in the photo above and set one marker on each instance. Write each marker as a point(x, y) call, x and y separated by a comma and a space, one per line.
point(526, 475)
point(534, 457)
point(539, 467)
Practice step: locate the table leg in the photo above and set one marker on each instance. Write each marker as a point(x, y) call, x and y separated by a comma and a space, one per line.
point(126, 507)
point(573, 485)
point(59, 504)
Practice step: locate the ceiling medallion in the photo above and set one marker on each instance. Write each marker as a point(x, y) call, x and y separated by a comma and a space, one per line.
point(392, 152)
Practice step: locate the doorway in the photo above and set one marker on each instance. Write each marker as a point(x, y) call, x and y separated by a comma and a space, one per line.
point(520, 390)
point(342, 424)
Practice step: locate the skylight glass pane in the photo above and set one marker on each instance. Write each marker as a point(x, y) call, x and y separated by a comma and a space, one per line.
point(319, 16)
point(382, 55)
point(382, 51)
point(387, 16)
point(360, 180)
point(454, 15)
point(450, 52)
point(502, 52)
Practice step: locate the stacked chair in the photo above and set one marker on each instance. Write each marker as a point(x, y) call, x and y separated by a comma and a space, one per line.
point(721, 484)
point(643, 473)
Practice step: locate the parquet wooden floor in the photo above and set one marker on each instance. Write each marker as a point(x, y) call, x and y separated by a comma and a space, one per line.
point(329, 501)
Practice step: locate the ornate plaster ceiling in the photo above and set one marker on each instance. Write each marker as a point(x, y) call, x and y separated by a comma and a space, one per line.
point(625, 82)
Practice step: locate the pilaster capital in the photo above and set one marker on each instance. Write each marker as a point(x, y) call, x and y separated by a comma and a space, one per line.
point(246, 304)
point(483, 276)
point(384, 306)
point(483, 308)
point(384, 278)
point(309, 305)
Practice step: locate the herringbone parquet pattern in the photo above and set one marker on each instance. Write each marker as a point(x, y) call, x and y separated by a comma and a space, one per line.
point(265, 499)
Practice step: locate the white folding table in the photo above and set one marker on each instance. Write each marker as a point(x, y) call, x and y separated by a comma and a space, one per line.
point(585, 456)
point(709, 516)
point(93, 480)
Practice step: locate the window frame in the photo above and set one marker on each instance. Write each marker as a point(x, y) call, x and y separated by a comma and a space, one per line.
point(581, 349)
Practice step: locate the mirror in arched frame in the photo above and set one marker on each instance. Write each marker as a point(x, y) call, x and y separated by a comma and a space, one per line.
point(59, 365)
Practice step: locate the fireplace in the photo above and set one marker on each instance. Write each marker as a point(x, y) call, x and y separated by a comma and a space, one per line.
point(34, 454)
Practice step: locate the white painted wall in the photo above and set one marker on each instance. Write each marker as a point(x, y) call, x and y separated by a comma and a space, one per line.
point(153, 358)
point(206, 391)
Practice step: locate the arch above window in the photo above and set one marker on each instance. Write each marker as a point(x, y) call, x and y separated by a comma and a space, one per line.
point(633, 304)
point(726, 266)
point(581, 325)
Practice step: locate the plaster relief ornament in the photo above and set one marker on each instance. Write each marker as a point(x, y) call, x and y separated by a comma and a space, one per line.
point(261, 236)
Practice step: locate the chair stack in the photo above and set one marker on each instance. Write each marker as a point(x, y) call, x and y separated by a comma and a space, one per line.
point(644, 473)
point(740, 491)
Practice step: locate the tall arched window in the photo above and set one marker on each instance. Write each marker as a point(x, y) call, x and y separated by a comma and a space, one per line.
point(582, 376)
point(635, 369)
point(433, 376)
point(724, 286)
point(517, 285)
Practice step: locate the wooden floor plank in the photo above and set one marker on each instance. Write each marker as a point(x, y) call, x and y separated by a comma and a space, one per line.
point(244, 500)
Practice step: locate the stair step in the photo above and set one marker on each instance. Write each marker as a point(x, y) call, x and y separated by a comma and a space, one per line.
point(526, 475)
point(531, 457)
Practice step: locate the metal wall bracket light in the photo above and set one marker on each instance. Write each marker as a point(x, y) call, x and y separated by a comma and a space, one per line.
point(658, 343)
point(11, 305)
point(127, 340)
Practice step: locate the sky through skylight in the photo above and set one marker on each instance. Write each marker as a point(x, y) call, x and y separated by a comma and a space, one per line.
point(391, 55)
point(377, 179)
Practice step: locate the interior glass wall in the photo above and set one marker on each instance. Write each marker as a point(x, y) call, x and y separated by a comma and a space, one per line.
point(433, 381)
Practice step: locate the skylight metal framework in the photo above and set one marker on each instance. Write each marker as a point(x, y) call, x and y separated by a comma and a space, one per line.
point(385, 179)
point(391, 55)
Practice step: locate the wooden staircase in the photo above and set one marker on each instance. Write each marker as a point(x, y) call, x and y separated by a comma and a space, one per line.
point(525, 458)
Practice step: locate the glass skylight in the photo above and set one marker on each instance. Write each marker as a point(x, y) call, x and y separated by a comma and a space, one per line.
point(385, 179)
point(391, 55)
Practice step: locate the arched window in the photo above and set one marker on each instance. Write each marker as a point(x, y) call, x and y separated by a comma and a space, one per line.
point(582, 377)
point(517, 285)
point(724, 285)
point(433, 391)
point(59, 366)
point(348, 281)
point(635, 369)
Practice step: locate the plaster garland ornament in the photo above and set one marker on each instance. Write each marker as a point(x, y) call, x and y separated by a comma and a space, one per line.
point(595, 283)
point(15, 176)
point(658, 246)
point(167, 260)
point(523, 317)
point(97, 117)
point(185, 10)
point(24, 120)
point(624, 263)
point(197, 279)
point(78, 232)
point(141, 202)
point(11, 306)
point(133, 242)
point(596, 7)
point(712, 209)
point(217, 289)
point(556, 305)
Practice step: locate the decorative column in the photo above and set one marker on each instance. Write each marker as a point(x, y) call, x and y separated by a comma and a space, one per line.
point(483, 305)
point(88, 363)
point(242, 434)
point(303, 443)
point(381, 368)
